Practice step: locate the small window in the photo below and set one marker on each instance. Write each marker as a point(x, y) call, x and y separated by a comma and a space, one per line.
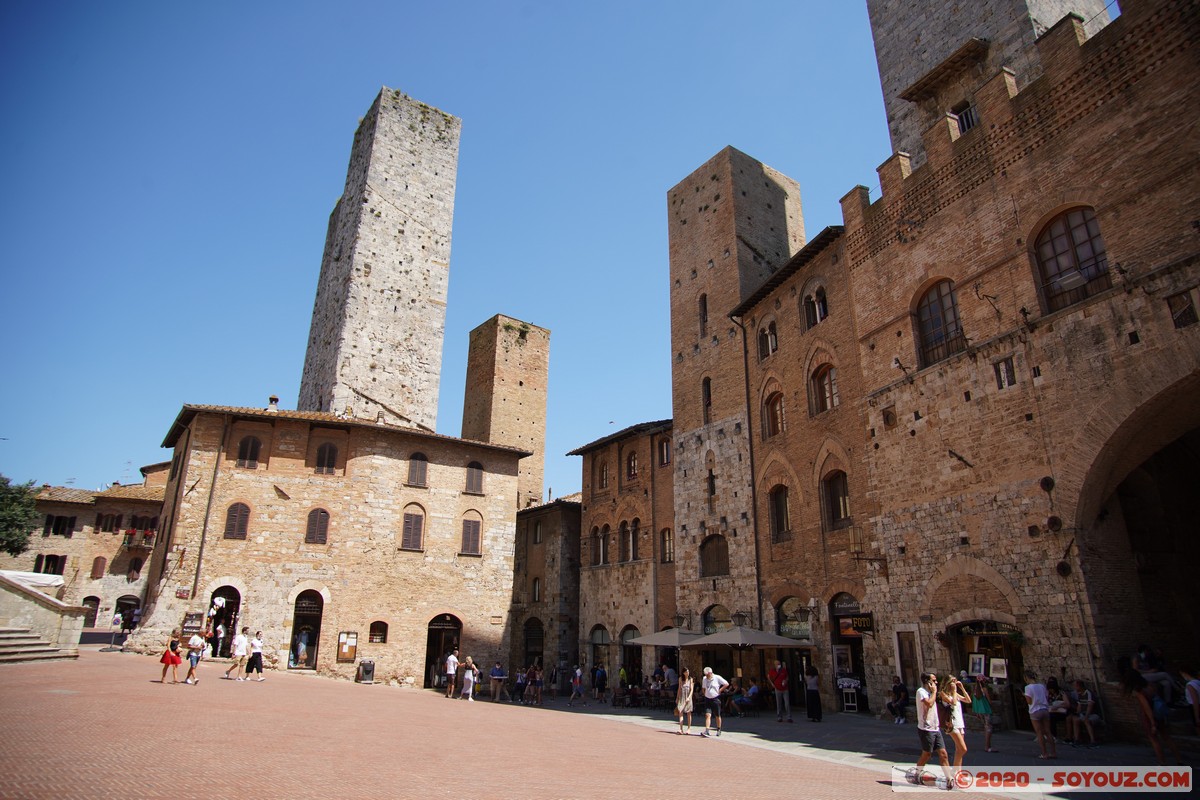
point(836, 489)
point(536, 590)
point(667, 538)
point(98, 565)
point(50, 564)
point(1072, 260)
point(1183, 309)
point(377, 634)
point(135, 567)
point(327, 459)
point(597, 547)
point(626, 553)
point(59, 526)
point(714, 556)
point(537, 533)
point(414, 525)
point(603, 482)
point(664, 452)
point(603, 541)
point(237, 519)
point(318, 527)
point(768, 340)
point(966, 115)
point(248, 450)
point(631, 467)
point(474, 478)
point(815, 308)
point(706, 399)
point(781, 526)
point(470, 537)
point(703, 314)
point(939, 331)
point(1006, 373)
point(823, 389)
point(773, 415)
point(417, 469)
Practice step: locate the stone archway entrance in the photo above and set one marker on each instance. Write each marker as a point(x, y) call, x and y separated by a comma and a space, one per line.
point(306, 630)
point(224, 611)
point(443, 635)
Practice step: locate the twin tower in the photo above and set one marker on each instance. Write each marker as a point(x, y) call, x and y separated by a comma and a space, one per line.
point(379, 319)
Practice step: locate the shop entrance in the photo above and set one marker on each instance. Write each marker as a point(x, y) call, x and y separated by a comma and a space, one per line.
point(443, 635)
point(306, 630)
point(847, 640)
point(224, 611)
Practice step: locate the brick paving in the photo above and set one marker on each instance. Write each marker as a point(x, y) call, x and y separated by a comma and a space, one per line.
point(103, 727)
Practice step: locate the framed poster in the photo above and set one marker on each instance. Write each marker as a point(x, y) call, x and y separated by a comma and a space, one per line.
point(998, 669)
point(841, 660)
point(975, 664)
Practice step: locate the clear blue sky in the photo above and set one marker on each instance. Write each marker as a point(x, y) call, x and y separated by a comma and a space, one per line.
point(168, 171)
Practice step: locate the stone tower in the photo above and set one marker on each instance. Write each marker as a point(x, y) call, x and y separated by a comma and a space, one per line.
point(733, 222)
point(508, 367)
point(932, 54)
point(378, 323)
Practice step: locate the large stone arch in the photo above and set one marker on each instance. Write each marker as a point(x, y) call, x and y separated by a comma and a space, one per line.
point(969, 577)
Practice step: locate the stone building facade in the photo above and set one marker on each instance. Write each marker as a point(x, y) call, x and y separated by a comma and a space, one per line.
point(341, 539)
point(627, 578)
point(98, 542)
point(379, 318)
point(545, 602)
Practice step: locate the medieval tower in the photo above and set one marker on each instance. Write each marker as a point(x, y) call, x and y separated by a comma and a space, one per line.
point(733, 223)
point(508, 367)
point(932, 56)
point(378, 323)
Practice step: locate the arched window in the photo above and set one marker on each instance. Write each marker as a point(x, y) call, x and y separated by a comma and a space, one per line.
point(98, 565)
point(781, 525)
point(714, 556)
point(535, 593)
point(823, 389)
point(472, 540)
point(248, 449)
point(474, 478)
point(623, 556)
point(603, 477)
point(706, 399)
point(604, 542)
point(631, 466)
point(1071, 258)
point(815, 308)
point(716, 619)
point(596, 547)
point(318, 527)
point(327, 458)
point(703, 314)
point(418, 469)
point(773, 415)
point(600, 640)
point(236, 520)
point(667, 538)
point(378, 633)
point(836, 490)
point(768, 340)
point(939, 331)
point(412, 534)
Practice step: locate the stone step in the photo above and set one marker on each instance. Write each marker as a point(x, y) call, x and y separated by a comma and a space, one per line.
point(20, 644)
point(47, 654)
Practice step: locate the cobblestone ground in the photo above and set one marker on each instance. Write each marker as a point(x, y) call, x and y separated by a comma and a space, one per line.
point(104, 727)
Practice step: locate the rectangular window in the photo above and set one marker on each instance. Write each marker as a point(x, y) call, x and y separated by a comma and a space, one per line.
point(59, 526)
point(474, 478)
point(1006, 374)
point(967, 115)
point(410, 539)
point(664, 452)
point(1183, 309)
point(470, 537)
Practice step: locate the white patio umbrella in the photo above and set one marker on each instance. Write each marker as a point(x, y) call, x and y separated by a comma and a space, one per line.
point(741, 638)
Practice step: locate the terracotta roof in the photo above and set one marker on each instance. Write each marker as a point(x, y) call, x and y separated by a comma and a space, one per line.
point(633, 430)
point(569, 500)
point(65, 494)
point(153, 494)
point(188, 412)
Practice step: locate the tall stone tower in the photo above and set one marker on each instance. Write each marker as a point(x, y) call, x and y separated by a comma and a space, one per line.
point(378, 324)
point(733, 222)
point(508, 368)
point(932, 54)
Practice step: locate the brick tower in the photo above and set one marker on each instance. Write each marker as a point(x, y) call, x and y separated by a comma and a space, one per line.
point(933, 54)
point(375, 344)
point(733, 222)
point(508, 367)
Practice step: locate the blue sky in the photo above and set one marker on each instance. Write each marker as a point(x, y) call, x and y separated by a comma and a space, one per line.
point(168, 171)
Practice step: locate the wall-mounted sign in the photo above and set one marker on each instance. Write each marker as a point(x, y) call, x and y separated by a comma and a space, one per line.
point(193, 623)
point(347, 646)
point(183, 594)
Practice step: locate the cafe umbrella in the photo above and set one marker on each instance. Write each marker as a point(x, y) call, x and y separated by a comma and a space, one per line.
point(741, 638)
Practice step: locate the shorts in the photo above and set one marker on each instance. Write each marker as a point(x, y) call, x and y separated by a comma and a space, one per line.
point(1038, 716)
point(237, 661)
point(194, 659)
point(712, 705)
point(931, 741)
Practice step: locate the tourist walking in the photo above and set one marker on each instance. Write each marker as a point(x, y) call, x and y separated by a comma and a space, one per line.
point(1152, 710)
point(451, 672)
point(470, 675)
point(240, 647)
point(576, 686)
point(683, 700)
point(1039, 714)
point(812, 693)
point(712, 686)
point(954, 695)
point(981, 704)
point(928, 730)
point(778, 676)
point(195, 653)
point(170, 658)
point(255, 662)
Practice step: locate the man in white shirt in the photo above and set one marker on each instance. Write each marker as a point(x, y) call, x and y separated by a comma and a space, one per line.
point(451, 672)
point(195, 651)
point(241, 644)
point(713, 686)
point(928, 729)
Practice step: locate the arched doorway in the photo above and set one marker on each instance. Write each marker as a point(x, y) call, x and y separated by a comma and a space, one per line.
point(793, 619)
point(992, 649)
point(631, 655)
point(598, 644)
point(92, 604)
point(849, 674)
point(714, 620)
point(443, 635)
point(224, 611)
point(306, 630)
point(535, 636)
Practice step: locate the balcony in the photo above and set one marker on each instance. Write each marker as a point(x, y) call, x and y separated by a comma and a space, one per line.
point(138, 540)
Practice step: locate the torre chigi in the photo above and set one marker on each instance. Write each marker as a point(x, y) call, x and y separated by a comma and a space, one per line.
point(348, 529)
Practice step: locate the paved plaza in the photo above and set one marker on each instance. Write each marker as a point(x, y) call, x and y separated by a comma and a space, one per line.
point(103, 727)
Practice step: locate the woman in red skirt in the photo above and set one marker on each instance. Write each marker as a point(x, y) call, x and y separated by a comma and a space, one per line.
point(171, 658)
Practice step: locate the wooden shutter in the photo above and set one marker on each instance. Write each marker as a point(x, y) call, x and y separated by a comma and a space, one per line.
point(236, 521)
point(318, 526)
point(470, 536)
point(411, 537)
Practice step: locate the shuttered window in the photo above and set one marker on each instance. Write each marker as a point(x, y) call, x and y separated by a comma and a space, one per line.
point(236, 521)
point(470, 537)
point(474, 478)
point(410, 539)
point(248, 450)
point(98, 564)
point(417, 468)
point(327, 459)
point(318, 526)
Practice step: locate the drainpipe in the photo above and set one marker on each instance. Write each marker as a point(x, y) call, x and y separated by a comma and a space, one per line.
point(753, 478)
point(208, 506)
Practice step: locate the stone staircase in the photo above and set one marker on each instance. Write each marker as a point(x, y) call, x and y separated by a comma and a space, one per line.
point(20, 644)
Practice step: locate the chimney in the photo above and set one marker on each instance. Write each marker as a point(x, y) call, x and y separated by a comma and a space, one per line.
point(272, 403)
